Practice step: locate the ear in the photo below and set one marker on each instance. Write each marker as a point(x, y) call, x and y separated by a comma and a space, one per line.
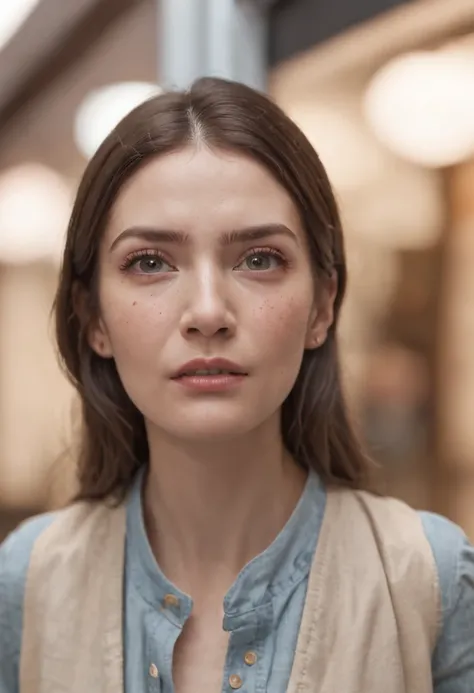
point(322, 314)
point(91, 325)
point(98, 339)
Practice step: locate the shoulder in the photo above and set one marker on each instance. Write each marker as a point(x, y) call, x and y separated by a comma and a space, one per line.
point(395, 524)
point(15, 555)
point(447, 546)
point(453, 555)
point(453, 659)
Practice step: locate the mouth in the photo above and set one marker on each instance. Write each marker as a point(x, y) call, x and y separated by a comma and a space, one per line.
point(210, 369)
point(210, 372)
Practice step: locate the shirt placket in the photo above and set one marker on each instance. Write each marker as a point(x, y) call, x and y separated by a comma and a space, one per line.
point(164, 627)
point(245, 663)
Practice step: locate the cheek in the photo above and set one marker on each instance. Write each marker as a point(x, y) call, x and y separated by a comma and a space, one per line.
point(279, 337)
point(134, 325)
point(281, 324)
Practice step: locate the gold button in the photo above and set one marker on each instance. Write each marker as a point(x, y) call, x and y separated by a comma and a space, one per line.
point(250, 658)
point(235, 681)
point(153, 670)
point(171, 600)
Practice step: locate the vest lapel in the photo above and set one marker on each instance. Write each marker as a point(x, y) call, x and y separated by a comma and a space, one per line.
point(72, 628)
point(370, 617)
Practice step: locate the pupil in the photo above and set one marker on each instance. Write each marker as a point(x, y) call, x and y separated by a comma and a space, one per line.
point(149, 264)
point(256, 261)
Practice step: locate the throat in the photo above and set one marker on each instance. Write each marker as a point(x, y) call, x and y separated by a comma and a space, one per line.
point(203, 534)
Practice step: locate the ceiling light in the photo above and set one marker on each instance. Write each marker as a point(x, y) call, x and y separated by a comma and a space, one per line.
point(35, 204)
point(421, 105)
point(104, 108)
point(12, 15)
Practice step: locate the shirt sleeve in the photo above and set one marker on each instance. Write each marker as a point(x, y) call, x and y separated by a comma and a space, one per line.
point(453, 658)
point(14, 561)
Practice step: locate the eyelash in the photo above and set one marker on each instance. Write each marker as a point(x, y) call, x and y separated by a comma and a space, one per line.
point(140, 254)
point(284, 262)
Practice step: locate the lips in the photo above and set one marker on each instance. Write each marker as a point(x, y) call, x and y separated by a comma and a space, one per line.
point(209, 367)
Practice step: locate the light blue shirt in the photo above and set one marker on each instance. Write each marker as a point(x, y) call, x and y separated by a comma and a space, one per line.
point(262, 609)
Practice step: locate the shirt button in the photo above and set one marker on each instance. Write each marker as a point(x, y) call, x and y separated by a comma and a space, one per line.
point(235, 681)
point(153, 671)
point(250, 658)
point(171, 600)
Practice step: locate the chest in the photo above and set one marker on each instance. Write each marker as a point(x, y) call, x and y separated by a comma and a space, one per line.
point(199, 656)
point(257, 646)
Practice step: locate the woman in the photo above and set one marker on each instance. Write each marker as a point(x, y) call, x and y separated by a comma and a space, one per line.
point(219, 539)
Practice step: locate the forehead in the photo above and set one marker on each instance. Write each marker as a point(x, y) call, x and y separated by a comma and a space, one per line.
point(197, 188)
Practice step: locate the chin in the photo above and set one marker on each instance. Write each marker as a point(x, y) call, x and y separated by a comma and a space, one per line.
point(209, 434)
point(213, 424)
point(212, 431)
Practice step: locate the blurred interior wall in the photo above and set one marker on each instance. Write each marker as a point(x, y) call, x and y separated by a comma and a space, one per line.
point(35, 398)
point(455, 361)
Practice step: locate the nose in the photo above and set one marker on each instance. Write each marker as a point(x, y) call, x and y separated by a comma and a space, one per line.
point(208, 311)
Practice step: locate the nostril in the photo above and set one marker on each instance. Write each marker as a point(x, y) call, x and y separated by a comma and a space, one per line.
point(208, 330)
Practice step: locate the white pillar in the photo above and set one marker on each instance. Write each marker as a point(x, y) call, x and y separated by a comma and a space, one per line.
point(219, 38)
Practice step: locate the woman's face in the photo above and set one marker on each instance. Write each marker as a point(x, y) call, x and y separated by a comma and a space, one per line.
point(205, 257)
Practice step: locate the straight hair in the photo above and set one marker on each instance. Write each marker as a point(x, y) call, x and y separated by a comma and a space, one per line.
point(225, 116)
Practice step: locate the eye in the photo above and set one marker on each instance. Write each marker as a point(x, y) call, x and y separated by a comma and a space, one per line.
point(261, 260)
point(152, 265)
point(146, 262)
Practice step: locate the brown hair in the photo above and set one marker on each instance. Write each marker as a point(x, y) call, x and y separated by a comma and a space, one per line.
point(230, 116)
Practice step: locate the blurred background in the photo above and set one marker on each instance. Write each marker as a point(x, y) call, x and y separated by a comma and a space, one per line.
point(384, 89)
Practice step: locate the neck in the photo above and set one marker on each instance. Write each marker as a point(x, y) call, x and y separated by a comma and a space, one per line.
point(210, 508)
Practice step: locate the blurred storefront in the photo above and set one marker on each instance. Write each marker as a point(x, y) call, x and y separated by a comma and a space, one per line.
point(358, 78)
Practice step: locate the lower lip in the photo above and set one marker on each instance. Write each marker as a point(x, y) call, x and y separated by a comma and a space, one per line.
point(210, 383)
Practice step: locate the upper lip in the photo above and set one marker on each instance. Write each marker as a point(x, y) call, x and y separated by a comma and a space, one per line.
point(208, 364)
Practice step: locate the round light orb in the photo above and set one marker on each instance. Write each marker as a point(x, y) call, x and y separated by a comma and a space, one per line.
point(12, 15)
point(102, 109)
point(421, 106)
point(35, 204)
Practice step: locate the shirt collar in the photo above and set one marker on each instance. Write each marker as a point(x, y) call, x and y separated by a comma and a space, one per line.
point(275, 571)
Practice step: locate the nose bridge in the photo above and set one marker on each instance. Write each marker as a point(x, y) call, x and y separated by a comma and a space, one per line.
point(208, 310)
point(210, 285)
point(208, 290)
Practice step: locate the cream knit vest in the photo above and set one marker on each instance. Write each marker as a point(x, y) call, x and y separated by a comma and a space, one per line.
point(369, 624)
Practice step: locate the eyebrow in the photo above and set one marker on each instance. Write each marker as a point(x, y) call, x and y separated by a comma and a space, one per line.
point(251, 233)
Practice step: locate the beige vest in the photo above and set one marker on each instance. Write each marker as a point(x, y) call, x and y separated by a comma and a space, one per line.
point(369, 624)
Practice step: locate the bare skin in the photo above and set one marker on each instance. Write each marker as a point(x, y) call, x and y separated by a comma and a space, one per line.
point(220, 485)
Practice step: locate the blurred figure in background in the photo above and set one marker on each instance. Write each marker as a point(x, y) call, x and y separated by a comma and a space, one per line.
point(223, 534)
